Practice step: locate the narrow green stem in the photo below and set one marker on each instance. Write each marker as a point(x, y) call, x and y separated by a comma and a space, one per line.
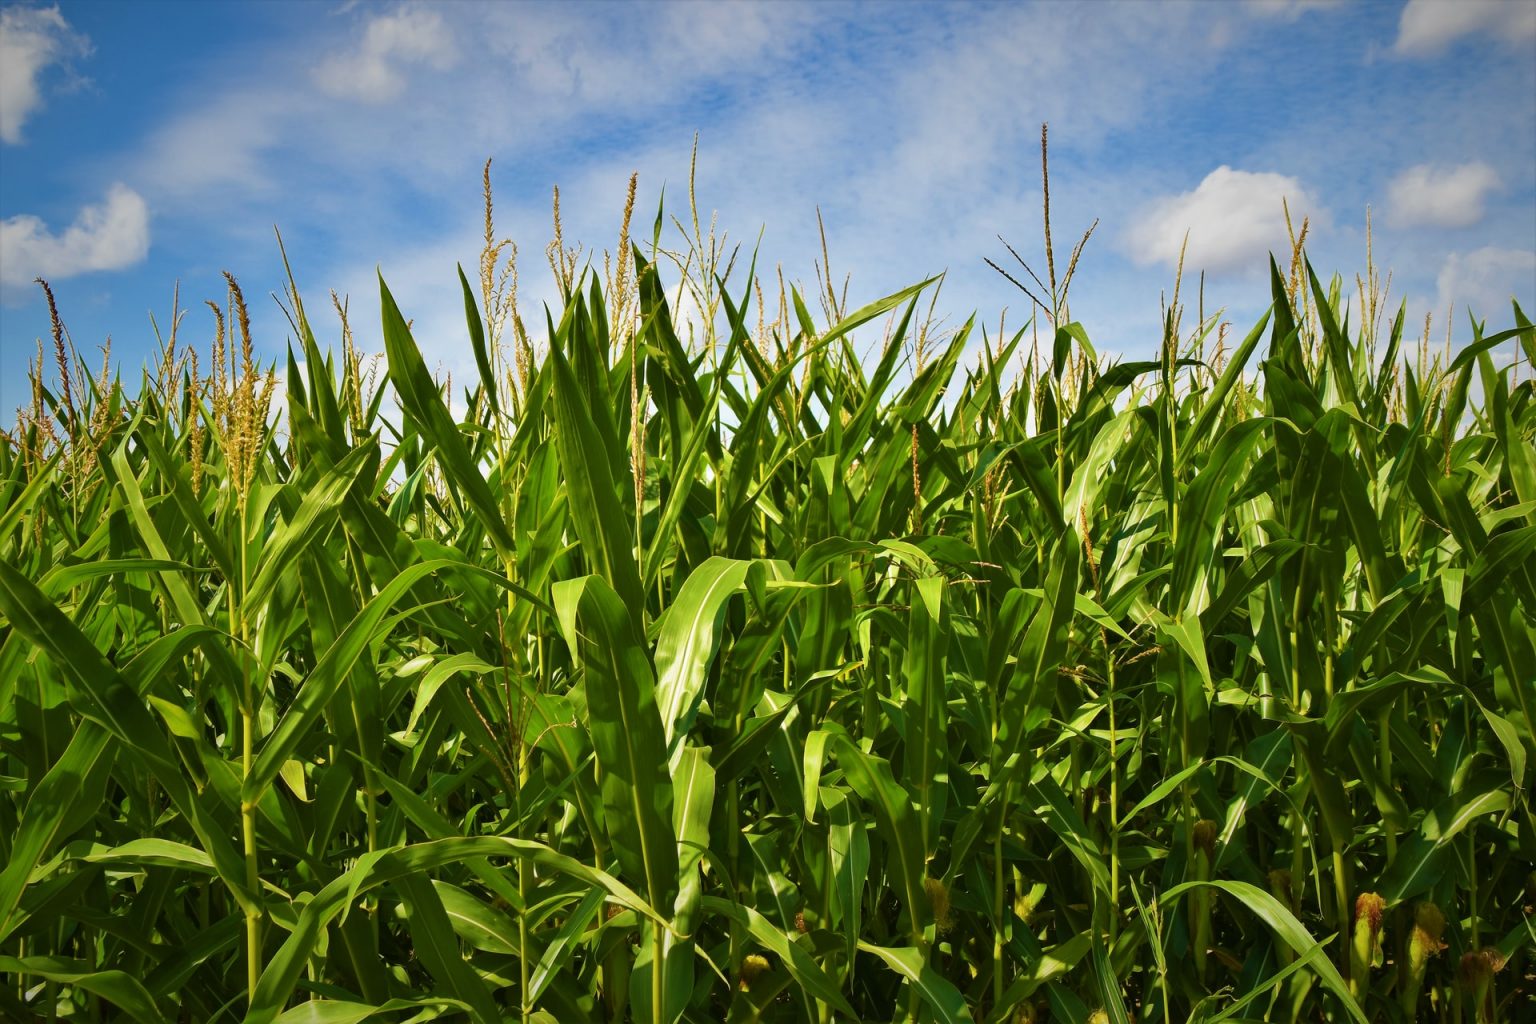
point(1384, 764)
point(252, 872)
point(658, 970)
point(1477, 941)
point(1341, 906)
point(1114, 790)
point(999, 931)
point(998, 889)
point(1296, 651)
point(522, 920)
point(248, 707)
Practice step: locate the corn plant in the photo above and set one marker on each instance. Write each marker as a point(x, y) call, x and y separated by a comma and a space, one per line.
point(772, 676)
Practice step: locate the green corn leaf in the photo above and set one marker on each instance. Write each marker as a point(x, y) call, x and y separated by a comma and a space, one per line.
point(336, 664)
point(340, 1011)
point(387, 866)
point(1286, 928)
point(438, 947)
point(946, 1002)
point(1420, 860)
point(556, 956)
point(607, 541)
point(926, 758)
point(626, 732)
point(796, 960)
point(308, 525)
point(120, 989)
point(871, 778)
point(108, 700)
point(687, 640)
point(422, 402)
point(492, 389)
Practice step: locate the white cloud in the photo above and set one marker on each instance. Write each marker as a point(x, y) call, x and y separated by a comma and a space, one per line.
point(1447, 197)
point(563, 53)
point(1225, 24)
point(935, 167)
point(109, 236)
point(1289, 10)
point(533, 71)
point(1429, 26)
point(372, 72)
point(1233, 219)
point(31, 40)
point(1484, 281)
point(180, 162)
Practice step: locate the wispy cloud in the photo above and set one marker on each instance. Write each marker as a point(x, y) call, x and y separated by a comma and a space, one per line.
point(107, 236)
point(1484, 280)
point(1448, 197)
point(1429, 26)
point(1289, 10)
point(640, 56)
point(915, 160)
point(218, 149)
point(32, 39)
point(1233, 219)
point(914, 128)
point(374, 71)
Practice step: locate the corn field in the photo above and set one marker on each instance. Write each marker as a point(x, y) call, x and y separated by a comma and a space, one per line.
point(760, 673)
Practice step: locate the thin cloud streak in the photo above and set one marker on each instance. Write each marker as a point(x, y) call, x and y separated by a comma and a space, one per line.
point(32, 40)
point(914, 129)
point(374, 72)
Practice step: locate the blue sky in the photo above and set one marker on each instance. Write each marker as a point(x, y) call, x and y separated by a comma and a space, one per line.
point(147, 143)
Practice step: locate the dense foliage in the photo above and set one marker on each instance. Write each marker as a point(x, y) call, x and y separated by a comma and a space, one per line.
point(906, 680)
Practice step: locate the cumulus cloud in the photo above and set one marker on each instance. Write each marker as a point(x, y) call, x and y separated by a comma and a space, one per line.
point(1429, 26)
point(1446, 197)
point(1484, 280)
point(108, 236)
point(373, 71)
point(31, 40)
point(1234, 218)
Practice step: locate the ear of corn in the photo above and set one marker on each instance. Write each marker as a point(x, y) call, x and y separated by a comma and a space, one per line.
point(755, 679)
